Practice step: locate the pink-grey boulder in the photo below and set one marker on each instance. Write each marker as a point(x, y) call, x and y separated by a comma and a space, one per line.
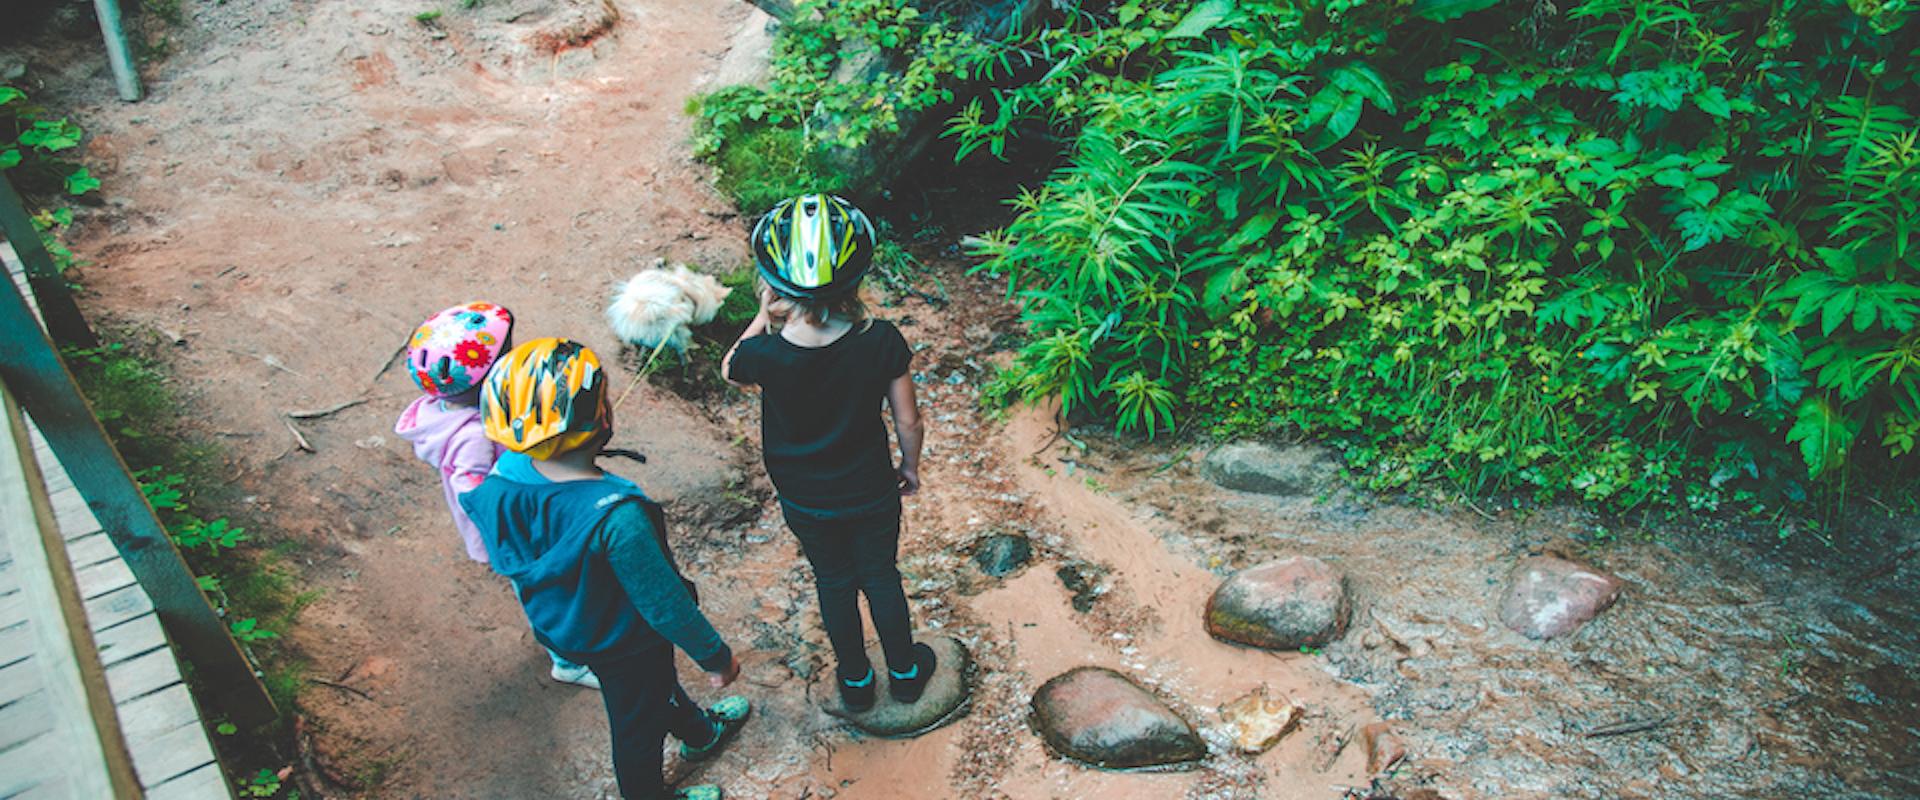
point(1098, 716)
point(1282, 605)
point(1548, 596)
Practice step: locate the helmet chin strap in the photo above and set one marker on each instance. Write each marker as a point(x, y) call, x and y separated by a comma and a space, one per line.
point(620, 452)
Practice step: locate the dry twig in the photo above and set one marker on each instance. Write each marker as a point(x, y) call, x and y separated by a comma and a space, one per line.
point(317, 413)
point(298, 440)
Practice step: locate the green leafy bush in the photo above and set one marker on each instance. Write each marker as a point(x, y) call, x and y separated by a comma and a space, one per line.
point(35, 145)
point(1638, 253)
point(772, 142)
point(1646, 254)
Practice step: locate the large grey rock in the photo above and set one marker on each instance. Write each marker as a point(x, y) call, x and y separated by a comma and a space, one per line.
point(1098, 716)
point(1283, 605)
point(1272, 469)
point(945, 699)
point(1547, 596)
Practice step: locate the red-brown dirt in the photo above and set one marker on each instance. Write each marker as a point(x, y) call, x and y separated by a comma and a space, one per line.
point(310, 179)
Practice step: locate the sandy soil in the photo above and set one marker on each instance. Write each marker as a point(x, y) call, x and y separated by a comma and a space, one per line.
point(309, 179)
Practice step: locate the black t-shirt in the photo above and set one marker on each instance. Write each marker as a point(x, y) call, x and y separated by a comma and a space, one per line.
point(820, 422)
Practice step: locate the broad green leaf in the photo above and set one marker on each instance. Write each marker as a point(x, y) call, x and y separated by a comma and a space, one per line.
point(1713, 101)
point(1358, 78)
point(9, 157)
point(1823, 434)
point(1443, 10)
point(1204, 17)
point(81, 182)
point(9, 94)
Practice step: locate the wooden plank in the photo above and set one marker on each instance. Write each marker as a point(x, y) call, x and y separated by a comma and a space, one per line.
point(205, 783)
point(118, 606)
point(142, 675)
point(13, 611)
point(160, 758)
point(57, 787)
point(91, 549)
point(71, 513)
point(29, 717)
point(16, 642)
point(136, 637)
point(157, 713)
point(102, 578)
point(26, 767)
point(19, 679)
point(74, 689)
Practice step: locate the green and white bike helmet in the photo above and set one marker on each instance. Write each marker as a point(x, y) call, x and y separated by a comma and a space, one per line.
point(813, 247)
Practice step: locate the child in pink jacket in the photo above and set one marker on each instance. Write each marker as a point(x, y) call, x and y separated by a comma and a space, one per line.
point(448, 358)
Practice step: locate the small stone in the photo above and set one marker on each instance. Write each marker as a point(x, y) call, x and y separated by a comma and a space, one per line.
point(944, 700)
point(1547, 596)
point(1261, 721)
point(1269, 469)
point(1001, 554)
point(1284, 605)
point(1098, 716)
point(1384, 748)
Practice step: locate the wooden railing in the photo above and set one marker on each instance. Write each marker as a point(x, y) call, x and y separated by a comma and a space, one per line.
point(32, 371)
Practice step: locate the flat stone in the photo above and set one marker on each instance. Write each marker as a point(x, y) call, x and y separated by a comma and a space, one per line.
point(1002, 554)
point(1282, 605)
point(1384, 747)
point(944, 701)
point(1547, 596)
point(1098, 716)
point(1260, 721)
point(1272, 469)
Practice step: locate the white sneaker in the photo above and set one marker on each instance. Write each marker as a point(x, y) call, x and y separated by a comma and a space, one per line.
point(581, 675)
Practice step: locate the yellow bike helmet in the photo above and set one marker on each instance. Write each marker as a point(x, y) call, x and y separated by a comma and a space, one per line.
point(544, 397)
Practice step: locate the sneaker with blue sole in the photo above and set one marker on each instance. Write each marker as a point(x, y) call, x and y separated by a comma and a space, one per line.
point(727, 717)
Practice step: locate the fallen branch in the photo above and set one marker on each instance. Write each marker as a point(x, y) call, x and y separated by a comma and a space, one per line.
point(391, 357)
point(342, 687)
point(328, 411)
point(1629, 726)
point(298, 440)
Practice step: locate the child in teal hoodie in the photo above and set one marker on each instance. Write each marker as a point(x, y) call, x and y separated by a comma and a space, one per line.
point(588, 556)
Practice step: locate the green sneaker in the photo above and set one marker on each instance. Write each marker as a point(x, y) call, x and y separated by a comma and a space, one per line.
point(727, 716)
point(705, 791)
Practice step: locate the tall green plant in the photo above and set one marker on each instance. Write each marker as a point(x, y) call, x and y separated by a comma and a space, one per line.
point(1641, 253)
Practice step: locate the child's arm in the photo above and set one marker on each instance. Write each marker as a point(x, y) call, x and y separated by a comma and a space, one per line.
point(754, 328)
point(468, 460)
point(907, 426)
point(659, 595)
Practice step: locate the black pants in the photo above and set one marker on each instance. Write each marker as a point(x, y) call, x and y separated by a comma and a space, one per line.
point(644, 704)
point(853, 554)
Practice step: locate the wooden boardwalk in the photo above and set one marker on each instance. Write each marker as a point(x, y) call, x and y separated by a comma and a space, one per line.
point(158, 721)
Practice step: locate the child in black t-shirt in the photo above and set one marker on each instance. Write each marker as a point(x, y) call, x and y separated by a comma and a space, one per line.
point(824, 371)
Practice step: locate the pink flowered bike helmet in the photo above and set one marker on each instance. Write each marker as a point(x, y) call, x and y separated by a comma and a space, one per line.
point(451, 352)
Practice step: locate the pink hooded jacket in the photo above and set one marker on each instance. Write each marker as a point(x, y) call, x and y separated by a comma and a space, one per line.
point(451, 439)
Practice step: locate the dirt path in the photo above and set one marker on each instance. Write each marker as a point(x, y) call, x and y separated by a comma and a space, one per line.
point(309, 179)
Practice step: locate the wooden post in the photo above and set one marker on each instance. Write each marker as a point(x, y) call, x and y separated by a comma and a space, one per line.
point(35, 374)
point(63, 318)
point(126, 74)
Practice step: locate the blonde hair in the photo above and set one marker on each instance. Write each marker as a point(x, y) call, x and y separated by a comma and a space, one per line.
point(847, 307)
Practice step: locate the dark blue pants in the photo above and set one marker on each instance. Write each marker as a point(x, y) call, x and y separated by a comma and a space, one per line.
point(645, 703)
point(853, 554)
